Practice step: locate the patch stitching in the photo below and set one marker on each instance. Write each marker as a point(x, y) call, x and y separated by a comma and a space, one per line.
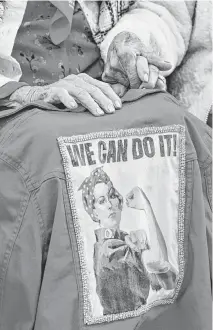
point(87, 307)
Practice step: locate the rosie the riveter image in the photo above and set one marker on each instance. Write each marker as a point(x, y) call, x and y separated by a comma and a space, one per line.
point(126, 265)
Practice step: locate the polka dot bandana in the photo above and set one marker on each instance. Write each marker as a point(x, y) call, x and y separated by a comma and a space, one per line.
point(97, 176)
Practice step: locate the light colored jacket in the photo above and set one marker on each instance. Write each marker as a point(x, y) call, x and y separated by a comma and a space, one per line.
point(179, 31)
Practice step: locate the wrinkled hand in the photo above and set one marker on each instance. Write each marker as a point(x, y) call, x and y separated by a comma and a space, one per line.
point(132, 65)
point(96, 96)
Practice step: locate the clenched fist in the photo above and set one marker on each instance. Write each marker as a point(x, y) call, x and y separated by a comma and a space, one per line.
point(137, 199)
point(132, 64)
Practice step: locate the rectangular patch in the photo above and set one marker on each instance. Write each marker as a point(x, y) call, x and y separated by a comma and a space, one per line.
point(127, 197)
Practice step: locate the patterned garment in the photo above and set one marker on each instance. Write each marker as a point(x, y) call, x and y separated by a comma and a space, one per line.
point(109, 15)
point(43, 61)
point(123, 283)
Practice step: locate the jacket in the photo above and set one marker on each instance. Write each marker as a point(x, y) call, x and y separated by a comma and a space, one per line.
point(152, 147)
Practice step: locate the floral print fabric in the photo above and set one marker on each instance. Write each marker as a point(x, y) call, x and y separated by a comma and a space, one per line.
point(42, 62)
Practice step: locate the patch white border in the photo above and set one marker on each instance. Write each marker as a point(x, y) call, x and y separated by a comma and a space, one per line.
point(62, 141)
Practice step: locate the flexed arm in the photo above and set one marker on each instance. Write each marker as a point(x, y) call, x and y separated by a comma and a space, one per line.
point(155, 258)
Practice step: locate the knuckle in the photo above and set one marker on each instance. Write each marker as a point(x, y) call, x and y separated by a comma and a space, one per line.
point(94, 90)
point(162, 79)
point(76, 79)
point(83, 75)
point(107, 88)
point(60, 90)
point(153, 68)
point(52, 90)
point(72, 77)
point(81, 93)
point(68, 77)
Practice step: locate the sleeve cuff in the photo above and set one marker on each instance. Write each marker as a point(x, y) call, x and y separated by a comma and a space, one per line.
point(153, 33)
point(9, 88)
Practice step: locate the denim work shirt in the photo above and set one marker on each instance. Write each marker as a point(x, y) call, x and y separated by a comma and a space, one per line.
point(60, 177)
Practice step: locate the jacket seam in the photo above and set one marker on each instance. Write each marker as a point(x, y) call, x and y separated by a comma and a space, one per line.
point(208, 192)
point(187, 215)
point(27, 186)
point(43, 229)
point(17, 166)
point(31, 187)
point(30, 184)
point(50, 175)
point(6, 135)
point(205, 163)
point(42, 226)
point(72, 237)
point(192, 197)
point(11, 243)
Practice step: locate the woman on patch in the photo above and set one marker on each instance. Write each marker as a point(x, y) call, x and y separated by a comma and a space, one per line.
point(125, 265)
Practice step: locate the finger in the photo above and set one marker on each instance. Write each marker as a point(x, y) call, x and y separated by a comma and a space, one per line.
point(161, 83)
point(128, 62)
point(62, 95)
point(159, 63)
point(119, 89)
point(153, 77)
point(130, 195)
point(142, 236)
point(133, 237)
point(84, 98)
point(102, 100)
point(130, 244)
point(98, 96)
point(105, 88)
point(143, 69)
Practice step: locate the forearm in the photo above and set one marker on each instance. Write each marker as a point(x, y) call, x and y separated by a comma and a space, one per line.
point(156, 256)
point(6, 91)
point(26, 95)
point(167, 280)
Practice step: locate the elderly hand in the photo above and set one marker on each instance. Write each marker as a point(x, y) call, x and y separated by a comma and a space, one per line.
point(96, 96)
point(131, 64)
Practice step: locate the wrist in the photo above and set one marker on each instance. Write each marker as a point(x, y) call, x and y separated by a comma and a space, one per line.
point(19, 95)
point(158, 267)
point(27, 94)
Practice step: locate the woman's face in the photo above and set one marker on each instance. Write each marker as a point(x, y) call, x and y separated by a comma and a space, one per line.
point(107, 206)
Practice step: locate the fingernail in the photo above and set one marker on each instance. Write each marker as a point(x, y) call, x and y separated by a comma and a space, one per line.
point(99, 111)
point(118, 104)
point(145, 78)
point(111, 108)
point(73, 105)
point(142, 86)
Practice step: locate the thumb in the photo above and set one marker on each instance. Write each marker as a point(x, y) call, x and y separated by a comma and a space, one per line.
point(159, 63)
point(119, 89)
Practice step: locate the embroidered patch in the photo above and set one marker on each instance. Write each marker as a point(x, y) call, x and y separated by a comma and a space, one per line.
point(126, 191)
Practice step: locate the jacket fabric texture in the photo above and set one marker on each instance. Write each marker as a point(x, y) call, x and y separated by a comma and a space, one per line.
point(47, 258)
